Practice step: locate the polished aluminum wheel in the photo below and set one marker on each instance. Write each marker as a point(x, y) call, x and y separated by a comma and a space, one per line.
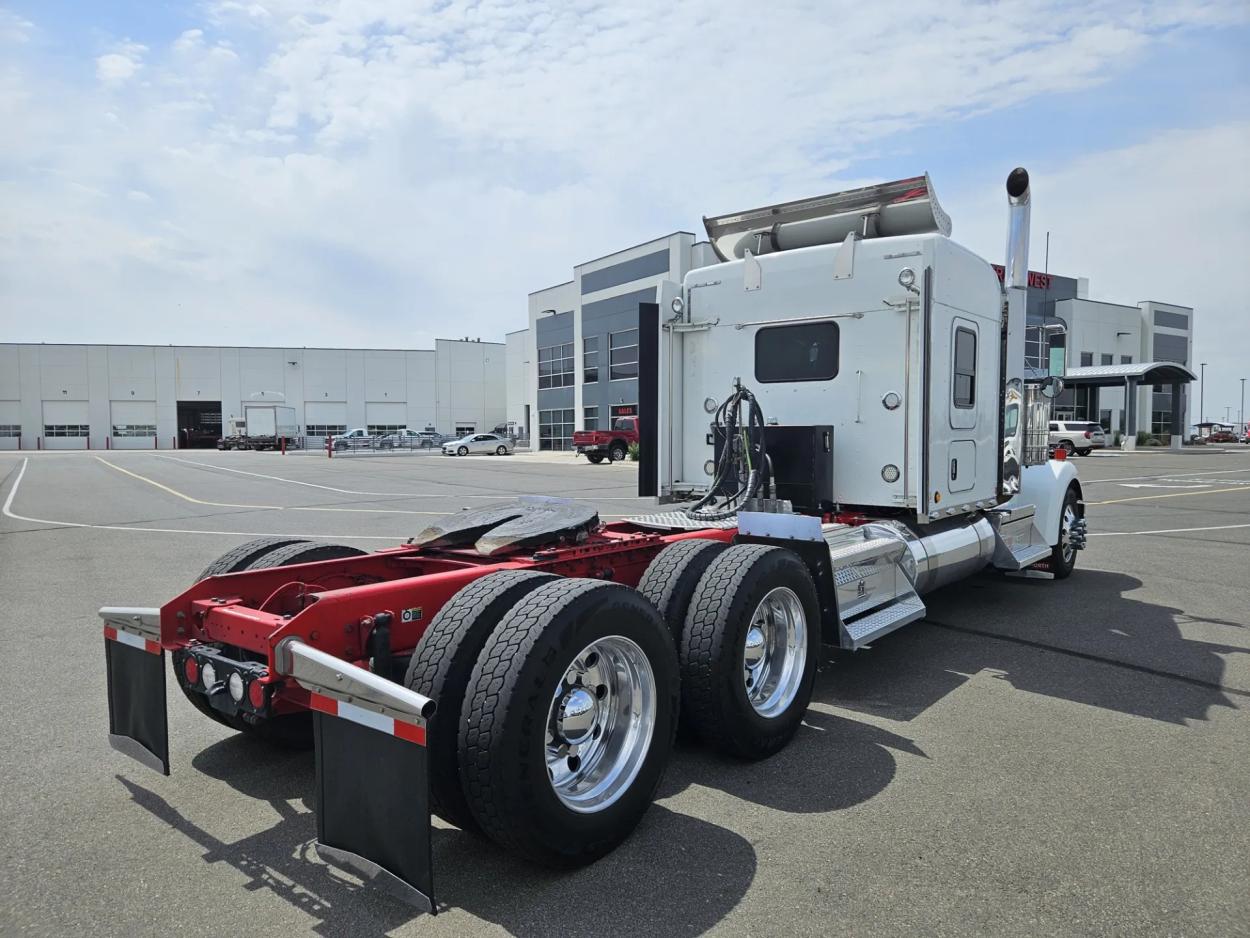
point(600, 724)
point(775, 652)
point(1065, 533)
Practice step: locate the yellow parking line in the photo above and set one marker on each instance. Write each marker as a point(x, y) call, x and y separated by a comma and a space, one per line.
point(176, 493)
point(1142, 498)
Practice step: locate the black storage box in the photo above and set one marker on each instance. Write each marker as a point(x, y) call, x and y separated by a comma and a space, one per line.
point(802, 464)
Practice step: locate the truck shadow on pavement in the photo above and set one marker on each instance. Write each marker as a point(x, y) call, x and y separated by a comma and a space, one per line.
point(471, 874)
point(1082, 639)
point(856, 760)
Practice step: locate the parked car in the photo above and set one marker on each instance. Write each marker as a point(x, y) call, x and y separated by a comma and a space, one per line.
point(359, 438)
point(1222, 435)
point(479, 443)
point(1076, 436)
point(408, 439)
point(598, 445)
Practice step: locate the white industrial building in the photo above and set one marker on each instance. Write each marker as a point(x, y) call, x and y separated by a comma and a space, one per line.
point(151, 396)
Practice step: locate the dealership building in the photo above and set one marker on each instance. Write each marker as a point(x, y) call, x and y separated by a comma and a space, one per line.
point(1111, 353)
point(158, 396)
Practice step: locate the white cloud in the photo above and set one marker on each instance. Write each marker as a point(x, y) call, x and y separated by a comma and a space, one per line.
point(14, 29)
point(114, 68)
point(369, 173)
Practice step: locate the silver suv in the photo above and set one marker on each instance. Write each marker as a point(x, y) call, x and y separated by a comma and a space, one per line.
point(1076, 436)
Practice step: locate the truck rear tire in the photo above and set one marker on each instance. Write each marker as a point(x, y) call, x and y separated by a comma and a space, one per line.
point(304, 552)
point(244, 555)
point(749, 649)
point(569, 720)
point(442, 665)
point(617, 451)
point(673, 576)
point(595, 458)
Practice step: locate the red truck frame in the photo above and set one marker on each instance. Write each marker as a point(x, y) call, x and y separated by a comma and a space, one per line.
point(326, 638)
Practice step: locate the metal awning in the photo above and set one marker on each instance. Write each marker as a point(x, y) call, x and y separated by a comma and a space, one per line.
point(1114, 376)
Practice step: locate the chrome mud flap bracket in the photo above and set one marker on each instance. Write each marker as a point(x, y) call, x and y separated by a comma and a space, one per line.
point(135, 666)
point(372, 767)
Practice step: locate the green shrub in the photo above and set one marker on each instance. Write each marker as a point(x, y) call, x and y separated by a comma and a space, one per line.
point(633, 452)
point(1143, 438)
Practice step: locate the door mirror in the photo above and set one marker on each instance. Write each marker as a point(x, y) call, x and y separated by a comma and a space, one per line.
point(1052, 387)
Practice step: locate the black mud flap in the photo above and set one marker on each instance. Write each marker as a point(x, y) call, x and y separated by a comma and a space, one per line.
point(373, 800)
point(138, 725)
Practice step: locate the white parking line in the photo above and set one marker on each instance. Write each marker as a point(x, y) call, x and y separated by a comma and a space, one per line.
point(1166, 475)
point(1214, 527)
point(331, 488)
point(8, 512)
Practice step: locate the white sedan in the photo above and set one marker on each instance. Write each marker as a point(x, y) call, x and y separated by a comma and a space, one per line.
point(479, 443)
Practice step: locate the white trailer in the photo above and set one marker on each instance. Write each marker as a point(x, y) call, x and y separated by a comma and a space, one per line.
point(266, 425)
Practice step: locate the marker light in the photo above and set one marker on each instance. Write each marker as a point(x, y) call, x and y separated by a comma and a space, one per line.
point(234, 684)
point(208, 675)
point(891, 400)
point(191, 668)
point(889, 472)
point(678, 305)
point(906, 277)
point(256, 695)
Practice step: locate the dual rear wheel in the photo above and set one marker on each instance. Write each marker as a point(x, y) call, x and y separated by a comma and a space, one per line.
point(557, 712)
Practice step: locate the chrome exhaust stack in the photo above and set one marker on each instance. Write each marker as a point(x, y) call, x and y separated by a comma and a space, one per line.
point(1015, 315)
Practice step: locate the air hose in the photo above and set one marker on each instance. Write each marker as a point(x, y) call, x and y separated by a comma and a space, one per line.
point(743, 455)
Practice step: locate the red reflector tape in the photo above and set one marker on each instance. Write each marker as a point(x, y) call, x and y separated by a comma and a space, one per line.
point(134, 641)
point(375, 721)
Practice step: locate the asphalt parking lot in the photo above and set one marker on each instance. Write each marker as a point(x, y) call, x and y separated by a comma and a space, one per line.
point(1034, 758)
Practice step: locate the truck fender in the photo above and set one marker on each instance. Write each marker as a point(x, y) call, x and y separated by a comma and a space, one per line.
point(1044, 487)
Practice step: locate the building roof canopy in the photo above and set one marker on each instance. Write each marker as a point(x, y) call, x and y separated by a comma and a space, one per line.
point(1104, 376)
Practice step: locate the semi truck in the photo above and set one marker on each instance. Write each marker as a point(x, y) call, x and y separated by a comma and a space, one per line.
point(834, 422)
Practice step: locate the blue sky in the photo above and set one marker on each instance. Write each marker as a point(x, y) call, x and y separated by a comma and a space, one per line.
point(365, 172)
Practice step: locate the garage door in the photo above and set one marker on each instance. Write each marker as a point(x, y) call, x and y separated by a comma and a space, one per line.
point(386, 416)
point(65, 425)
point(324, 418)
point(133, 424)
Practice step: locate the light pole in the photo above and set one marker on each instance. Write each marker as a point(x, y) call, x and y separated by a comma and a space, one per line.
point(1202, 391)
point(1241, 413)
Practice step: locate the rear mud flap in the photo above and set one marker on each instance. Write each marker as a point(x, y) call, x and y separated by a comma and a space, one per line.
point(135, 665)
point(373, 779)
point(373, 808)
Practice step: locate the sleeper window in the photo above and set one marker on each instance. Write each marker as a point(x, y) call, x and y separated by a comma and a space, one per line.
point(964, 380)
point(802, 352)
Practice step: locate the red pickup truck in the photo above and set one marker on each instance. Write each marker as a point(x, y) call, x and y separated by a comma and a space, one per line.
point(598, 445)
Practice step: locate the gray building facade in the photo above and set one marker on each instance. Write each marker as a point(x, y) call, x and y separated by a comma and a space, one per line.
point(583, 336)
